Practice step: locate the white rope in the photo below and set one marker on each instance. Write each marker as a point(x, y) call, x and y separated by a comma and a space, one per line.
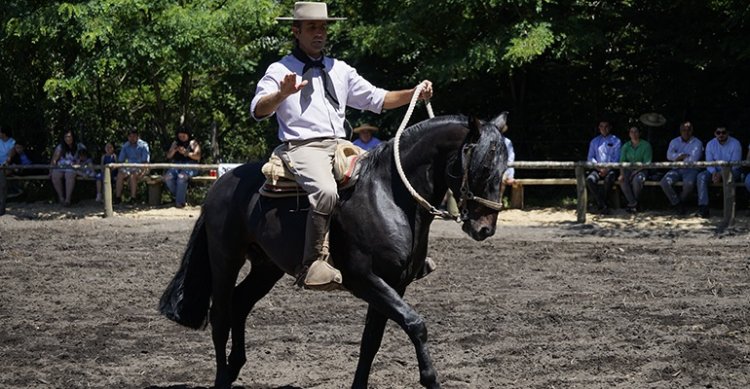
point(397, 153)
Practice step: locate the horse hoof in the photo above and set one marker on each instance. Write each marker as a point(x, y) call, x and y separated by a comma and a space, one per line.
point(428, 267)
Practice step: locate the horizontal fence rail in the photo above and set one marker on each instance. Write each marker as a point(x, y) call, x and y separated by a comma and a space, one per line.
point(565, 165)
point(579, 167)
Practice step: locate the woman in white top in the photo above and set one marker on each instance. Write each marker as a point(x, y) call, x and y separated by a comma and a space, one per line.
point(64, 157)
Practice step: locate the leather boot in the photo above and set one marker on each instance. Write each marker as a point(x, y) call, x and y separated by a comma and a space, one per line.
point(315, 272)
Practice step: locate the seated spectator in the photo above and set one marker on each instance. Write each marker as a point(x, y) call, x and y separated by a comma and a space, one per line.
point(26, 156)
point(747, 171)
point(722, 148)
point(365, 139)
point(108, 157)
point(184, 150)
point(509, 174)
point(631, 180)
point(135, 150)
point(63, 178)
point(19, 158)
point(7, 151)
point(602, 149)
point(87, 164)
point(685, 148)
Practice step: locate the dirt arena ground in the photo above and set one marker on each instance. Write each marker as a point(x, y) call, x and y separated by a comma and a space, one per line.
point(622, 302)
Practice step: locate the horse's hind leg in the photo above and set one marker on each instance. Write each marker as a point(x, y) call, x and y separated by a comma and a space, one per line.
point(372, 336)
point(225, 267)
point(262, 277)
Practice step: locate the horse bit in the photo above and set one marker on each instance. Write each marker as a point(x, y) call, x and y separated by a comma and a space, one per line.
point(466, 194)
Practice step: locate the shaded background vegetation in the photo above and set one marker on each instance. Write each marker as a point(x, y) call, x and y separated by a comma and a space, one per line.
point(99, 67)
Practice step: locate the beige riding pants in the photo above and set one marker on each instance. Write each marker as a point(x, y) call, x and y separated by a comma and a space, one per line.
point(311, 162)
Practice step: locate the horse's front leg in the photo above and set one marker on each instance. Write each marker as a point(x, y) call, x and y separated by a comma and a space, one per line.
point(389, 303)
point(371, 339)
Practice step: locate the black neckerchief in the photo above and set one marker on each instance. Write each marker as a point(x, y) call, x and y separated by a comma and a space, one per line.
point(310, 63)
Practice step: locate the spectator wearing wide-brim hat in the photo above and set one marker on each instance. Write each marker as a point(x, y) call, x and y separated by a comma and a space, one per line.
point(653, 119)
point(365, 138)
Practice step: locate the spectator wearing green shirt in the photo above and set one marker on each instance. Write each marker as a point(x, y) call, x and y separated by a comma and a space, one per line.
point(631, 180)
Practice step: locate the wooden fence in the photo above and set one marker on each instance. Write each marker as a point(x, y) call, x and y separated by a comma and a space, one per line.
point(108, 210)
point(579, 168)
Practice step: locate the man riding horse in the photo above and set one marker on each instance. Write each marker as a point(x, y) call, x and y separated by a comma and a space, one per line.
point(309, 93)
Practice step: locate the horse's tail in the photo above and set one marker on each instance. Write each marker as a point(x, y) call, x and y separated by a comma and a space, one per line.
point(187, 297)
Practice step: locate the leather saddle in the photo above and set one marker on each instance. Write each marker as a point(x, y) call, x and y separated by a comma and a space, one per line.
point(280, 180)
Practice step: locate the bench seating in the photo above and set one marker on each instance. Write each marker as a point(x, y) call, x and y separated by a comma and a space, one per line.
point(153, 181)
point(517, 192)
point(155, 186)
point(39, 177)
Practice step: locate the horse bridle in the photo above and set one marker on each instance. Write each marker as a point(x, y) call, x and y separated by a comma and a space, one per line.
point(465, 192)
point(467, 150)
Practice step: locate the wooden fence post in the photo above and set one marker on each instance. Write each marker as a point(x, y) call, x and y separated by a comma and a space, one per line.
point(729, 195)
point(582, 195)
point(108, 212)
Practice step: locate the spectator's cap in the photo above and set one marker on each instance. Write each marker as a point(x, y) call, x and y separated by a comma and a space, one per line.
point(132, 130)
point(653, 119)
point(184, 130)
point(309, 10)
point(365, 127)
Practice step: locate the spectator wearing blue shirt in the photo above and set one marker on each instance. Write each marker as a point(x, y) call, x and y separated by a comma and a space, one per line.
point(685, 148)
point(20, 158)
point(7, 151)
point(510, 173)
point(135, 150)
point(602, 149)
point(722, 148)
point(365, 139)
point(747, 176)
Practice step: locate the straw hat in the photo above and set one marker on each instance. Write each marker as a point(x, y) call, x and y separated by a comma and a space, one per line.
point(365, 127)
point(310, 10)
point(653, 119)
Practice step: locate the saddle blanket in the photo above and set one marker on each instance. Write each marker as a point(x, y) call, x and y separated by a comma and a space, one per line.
point(280, 181)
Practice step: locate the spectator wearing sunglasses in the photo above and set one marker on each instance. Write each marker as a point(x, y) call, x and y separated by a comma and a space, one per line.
point(722, 148)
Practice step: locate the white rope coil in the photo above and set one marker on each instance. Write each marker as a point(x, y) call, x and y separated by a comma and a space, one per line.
point(397, 153)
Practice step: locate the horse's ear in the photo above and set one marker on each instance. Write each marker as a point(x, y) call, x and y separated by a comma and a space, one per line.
point(474, 126)
point(501, 122)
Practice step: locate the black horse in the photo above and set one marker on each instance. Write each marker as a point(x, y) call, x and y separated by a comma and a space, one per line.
point(378, 237)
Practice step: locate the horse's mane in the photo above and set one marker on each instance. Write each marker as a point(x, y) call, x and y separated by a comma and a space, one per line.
point(409, 137)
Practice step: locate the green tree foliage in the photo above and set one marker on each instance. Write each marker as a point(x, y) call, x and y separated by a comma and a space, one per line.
point(112, 64)
point(563, 64)
point(557, 66)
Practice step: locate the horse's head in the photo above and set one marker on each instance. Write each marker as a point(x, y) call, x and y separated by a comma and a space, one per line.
point(476, 174)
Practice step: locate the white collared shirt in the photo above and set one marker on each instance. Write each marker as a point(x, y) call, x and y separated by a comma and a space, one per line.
point(509, 172)
point(307, 114)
